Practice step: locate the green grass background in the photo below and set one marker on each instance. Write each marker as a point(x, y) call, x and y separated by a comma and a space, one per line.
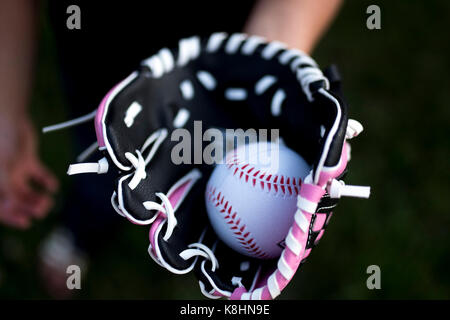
point(397, 83)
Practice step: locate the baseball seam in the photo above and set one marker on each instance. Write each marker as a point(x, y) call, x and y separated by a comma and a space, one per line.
point(280, 184)
point(235, 223)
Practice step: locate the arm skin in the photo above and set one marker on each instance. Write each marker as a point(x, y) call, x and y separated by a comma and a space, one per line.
point(298, 23)
point(19, 163)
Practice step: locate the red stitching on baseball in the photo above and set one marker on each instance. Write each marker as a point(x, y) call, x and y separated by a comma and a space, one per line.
point(244, 239)
point(286, 185)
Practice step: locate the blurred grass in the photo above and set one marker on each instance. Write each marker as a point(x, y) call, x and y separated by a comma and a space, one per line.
point(396, 82)
point(396, 85)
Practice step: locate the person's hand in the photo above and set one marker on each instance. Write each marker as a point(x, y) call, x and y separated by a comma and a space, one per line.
point(26, 186)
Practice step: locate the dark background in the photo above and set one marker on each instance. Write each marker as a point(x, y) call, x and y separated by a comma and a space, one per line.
point(396, 83)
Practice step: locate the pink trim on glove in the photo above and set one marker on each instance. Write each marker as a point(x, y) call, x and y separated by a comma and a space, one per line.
point(319, 222)
point(153, 229)
point(311, 192)
point(237, 293)
point(307, 252)
point(319, 236)
point(99, 118)
point(174, 197)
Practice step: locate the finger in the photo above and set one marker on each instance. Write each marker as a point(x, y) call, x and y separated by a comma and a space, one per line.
point(26, 199)
point(40, 174)
point(12, 216)
point(43, 207)
point(19, 185)
point(33, 203)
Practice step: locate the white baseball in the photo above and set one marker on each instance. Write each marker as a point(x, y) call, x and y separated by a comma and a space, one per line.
point(252, 198)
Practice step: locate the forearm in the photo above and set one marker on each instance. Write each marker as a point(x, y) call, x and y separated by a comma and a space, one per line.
point(17, 41)
point(298, 23)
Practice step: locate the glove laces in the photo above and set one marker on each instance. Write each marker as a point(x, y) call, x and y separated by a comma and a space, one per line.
point(139, 163)
point(165, 208)
point(199, 249)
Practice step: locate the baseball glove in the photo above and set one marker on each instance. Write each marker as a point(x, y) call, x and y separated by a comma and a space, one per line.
point(220, 82)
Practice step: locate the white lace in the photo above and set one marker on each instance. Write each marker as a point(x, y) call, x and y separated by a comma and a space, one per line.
point(166, 208)
point(99, 167)
point(309, 75)
point(138, 161)
point(338, 189)
point(199, 249)
point(139, 165)
point(71, 123)
point(354, 128)
point(207, 294)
